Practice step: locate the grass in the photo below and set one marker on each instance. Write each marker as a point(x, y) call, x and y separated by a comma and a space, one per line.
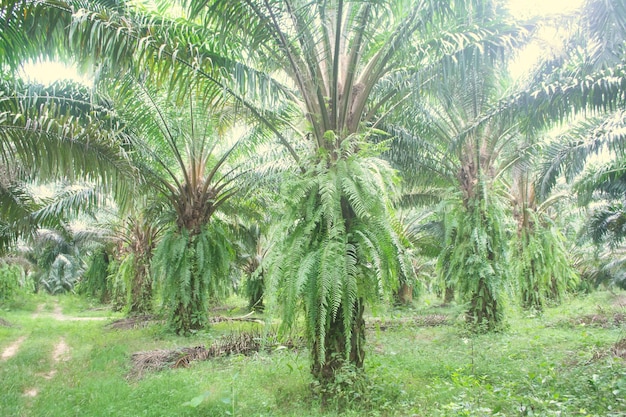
point(554, 364)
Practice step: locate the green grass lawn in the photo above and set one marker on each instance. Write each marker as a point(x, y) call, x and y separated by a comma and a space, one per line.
point(560, 363)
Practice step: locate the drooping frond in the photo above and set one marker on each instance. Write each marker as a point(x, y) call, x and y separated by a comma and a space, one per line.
point(59, 132)
point(338, 245)
point(568, 153)
point(608, 224)
point(16, 208)
point(606, 180)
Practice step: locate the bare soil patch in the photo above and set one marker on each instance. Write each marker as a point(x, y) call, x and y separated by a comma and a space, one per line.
point(48, 375)
point(13, 348)
point(38, 311)
point(57, 314)
point(61, 351)
point(31, 392)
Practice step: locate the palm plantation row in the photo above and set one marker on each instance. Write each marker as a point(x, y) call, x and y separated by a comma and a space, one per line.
point(335, 153)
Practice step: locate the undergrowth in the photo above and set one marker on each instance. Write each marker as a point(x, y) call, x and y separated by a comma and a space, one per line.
point(549, 364)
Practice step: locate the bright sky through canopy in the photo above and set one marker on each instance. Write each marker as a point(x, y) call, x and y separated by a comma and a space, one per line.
point(532, 8)
point(48, 72)
point(548, 38)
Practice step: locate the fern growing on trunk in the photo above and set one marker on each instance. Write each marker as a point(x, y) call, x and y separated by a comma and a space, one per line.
point(192, 268)
point(544, 272)
point(474, 258)
point(95, 278)
point(338, 250)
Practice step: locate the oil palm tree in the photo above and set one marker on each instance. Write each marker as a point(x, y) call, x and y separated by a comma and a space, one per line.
point(475, 255)
point(458, 143)
point(345, 64)
point(541, 263)
point(187, 163)
point(137, 236)
point(584, 86)
point(590, 81)
point(465, 137)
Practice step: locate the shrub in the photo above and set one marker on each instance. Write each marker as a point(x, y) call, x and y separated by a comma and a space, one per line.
point(12, 281)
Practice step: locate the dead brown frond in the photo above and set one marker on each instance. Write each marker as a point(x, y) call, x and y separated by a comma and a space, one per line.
point(620, 301)
point(134, 322)
point(246, 318)
point(231, 344)
point(619, 349)
point(601, 320)
point(429, 320)
point(432, 320)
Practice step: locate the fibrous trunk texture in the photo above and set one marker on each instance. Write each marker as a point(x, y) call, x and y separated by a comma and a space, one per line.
point(336, 356)
point(484, 312)
point(141, 291)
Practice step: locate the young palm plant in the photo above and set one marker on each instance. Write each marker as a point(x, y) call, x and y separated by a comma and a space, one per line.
point(187, 163)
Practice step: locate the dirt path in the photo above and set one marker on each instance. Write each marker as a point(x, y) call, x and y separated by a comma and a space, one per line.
point(58, 315)
point(61, 351)
point(12, 349)
point(38, 311)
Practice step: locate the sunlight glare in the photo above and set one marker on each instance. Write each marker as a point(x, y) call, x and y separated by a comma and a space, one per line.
point(47, 72)
point(525, 9)
point(548, 39)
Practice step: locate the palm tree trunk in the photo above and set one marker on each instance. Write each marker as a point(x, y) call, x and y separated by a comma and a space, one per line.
point(336, 356)
point(404, 294)
point(484, 313)
point(448, 296)
point(192, 313)
point(141, 291)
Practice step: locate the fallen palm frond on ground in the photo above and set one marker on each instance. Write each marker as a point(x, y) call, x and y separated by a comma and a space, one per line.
point(619, 349)
point(134, 322)
point(137, 322)
point(247, 318)
point(430, 320)
point(5, 323)
point(601, 320)
point(233, 344)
